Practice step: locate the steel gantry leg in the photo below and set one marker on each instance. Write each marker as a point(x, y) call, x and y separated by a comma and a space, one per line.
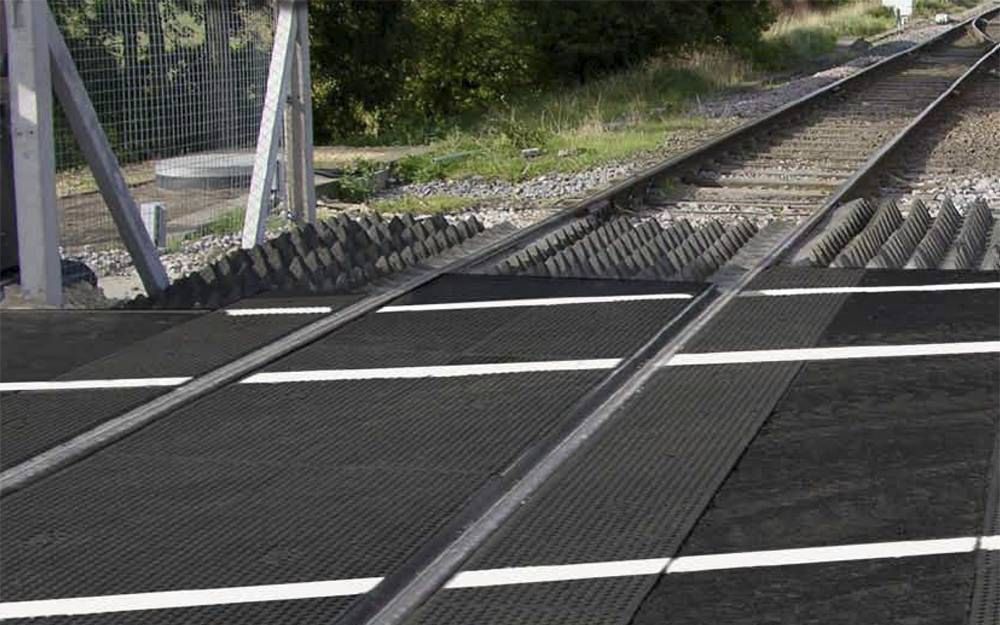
point(103, 164)
point(287, 78)
point(33, 150)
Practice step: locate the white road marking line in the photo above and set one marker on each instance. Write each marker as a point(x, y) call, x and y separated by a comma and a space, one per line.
point(989, 543)
point(70, 385)
point(909, 288)
point(833, 353)
point(499, 577)
point(442, 371)
point(451, 371)
point(540, 301)
point(557, 573)
point(819, 555)
point(289, 310)
point(186, 598)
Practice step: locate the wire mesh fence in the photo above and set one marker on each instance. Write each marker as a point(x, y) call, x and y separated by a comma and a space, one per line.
point(178, 86)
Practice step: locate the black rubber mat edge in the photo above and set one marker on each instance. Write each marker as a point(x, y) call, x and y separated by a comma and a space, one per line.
point(442, 555)
point(984, 608)
point(82, 445)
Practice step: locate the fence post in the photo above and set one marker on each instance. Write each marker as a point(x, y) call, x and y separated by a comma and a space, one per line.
point(293, 139)
point(298, 125)
point(285, 35)
point(305, 103)
point(8, 221)
point(103, 164)
point(33, 150)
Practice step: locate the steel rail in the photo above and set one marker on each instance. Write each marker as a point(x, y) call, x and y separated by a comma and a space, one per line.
point(851, 187)
point(620, 195)
point(424, 582)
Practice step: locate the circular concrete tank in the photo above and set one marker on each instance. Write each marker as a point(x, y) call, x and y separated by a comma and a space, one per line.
point(209, 170)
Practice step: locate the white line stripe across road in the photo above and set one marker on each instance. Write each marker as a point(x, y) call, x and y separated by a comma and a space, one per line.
point(819, 555)
point(833, 353)
point(907, 288)
point(288, 310)
point(989, 543)
point(186, 598)
point(541, 301)
point(451, 371)
point(499, 577)
point(442, 371)
point(70, 385)
point(557, 573)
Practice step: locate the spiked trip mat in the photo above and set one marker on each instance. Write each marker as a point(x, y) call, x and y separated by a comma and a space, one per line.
point(334, 256)
point(620, 247)
point(859, 235)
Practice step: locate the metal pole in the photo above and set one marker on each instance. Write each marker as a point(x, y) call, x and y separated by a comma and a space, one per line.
point(305, 103)
point(8, 220)
point(293, 140)
point(33, 150)
point(97, 151)
point(255, 219)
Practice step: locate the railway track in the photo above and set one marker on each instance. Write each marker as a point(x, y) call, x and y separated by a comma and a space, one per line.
point(799, 165)
point(562, 476)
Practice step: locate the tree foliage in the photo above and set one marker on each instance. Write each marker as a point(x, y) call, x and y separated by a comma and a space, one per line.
point(384, 67)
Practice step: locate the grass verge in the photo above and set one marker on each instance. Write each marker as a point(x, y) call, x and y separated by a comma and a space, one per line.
point(798, 37)
point(429, 205)
point(929, 8)
point(582, 127)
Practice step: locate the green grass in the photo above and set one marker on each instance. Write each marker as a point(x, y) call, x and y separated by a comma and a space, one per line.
point(429, 205)
point(626, 114)
point(798, 37)
point(583, 127)
point(928, 8)
point(226, 223)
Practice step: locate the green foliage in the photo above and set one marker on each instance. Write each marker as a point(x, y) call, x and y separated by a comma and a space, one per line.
point(802, 36)
point(356, 185)
point(928, 8)
point(410, 70)
point(580, 127)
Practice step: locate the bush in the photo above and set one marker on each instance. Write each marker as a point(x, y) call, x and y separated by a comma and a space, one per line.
point(403, 69)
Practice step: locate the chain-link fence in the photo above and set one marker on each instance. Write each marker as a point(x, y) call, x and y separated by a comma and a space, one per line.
point(178, 86)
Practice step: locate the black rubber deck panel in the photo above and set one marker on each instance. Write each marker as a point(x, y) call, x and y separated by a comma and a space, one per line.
point(466, 287)
point(37, 420)
point(40, 345)
point(297, 612)
point(916, 317)
point(889, 277)
point(268, 484)
point(863, 451)
point(869, 459)
point(632, 495)
point(918, 591)
point(283, 483)
point(787, 277)
point(426, 338)
point(489, 335)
